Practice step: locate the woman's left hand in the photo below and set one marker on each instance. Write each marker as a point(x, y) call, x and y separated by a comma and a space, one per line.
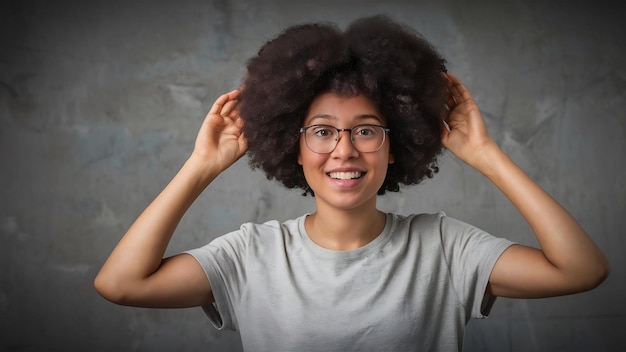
point(467, 136)
point(568, 260)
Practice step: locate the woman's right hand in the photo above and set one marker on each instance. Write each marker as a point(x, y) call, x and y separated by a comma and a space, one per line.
point(221, 142)
point(136, 273)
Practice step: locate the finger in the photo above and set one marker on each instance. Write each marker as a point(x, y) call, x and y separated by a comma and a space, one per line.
point(459, 90)
point(445, 124)
point(243, 142)
point(218, 104)
point(228, 107)
point(451, 101)
point(445, 133)
point(456, 94)
point(223, 99)
point(235, 116)
point(238, 120)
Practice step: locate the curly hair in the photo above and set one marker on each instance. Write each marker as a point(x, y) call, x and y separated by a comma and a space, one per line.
point(389, 63)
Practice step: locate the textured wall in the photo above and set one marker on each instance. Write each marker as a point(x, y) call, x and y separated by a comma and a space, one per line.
point(100, 102)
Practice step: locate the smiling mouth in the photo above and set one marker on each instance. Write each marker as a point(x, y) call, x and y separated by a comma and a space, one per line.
point(346, 175)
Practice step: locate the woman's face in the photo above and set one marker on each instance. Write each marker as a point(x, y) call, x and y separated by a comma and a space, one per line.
point(344, 178)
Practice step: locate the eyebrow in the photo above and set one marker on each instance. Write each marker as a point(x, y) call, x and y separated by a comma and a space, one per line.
point(358, 117)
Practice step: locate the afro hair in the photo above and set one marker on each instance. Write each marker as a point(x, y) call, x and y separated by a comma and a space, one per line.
point(389, 63)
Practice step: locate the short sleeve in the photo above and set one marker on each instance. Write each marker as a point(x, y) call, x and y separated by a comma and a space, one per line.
point(471, 254)
point(222, 261)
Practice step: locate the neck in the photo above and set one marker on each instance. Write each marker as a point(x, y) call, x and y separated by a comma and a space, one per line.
point(341, 230)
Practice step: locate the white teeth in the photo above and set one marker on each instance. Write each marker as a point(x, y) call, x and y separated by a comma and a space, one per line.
point(345, 175)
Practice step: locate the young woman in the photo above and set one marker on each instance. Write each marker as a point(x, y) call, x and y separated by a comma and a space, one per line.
point(346, 116)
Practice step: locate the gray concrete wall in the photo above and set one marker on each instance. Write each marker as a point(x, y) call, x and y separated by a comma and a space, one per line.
point(100, 102)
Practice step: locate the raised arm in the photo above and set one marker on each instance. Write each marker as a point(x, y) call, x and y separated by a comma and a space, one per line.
point(136, 273)
point(568, 260)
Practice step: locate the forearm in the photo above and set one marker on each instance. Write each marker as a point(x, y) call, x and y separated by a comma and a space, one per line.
point(140, 251)
point(563, 241)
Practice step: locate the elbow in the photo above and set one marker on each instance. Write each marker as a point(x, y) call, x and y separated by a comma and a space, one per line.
point(595, 275)
point(109, 289)
point(602, 272)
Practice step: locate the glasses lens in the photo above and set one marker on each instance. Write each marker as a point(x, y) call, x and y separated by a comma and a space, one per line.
point(368, 138)
point(323, 139)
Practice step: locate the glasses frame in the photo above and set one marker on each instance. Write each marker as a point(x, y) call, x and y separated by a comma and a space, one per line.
point(339, 130)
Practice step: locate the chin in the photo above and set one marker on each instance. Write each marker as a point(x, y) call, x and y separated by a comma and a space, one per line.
point(348, 201)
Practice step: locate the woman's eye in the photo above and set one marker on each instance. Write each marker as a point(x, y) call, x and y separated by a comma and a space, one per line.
point(322, 132)
point(365, 131)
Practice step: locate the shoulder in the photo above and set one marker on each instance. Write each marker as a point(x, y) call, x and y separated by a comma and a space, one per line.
point(420, 231)
point(421, 223)
point(438, 228)
point(272, 227)
point(438, 222)
point(252, 234)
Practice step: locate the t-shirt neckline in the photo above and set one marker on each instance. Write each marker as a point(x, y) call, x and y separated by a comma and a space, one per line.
point(325, 253)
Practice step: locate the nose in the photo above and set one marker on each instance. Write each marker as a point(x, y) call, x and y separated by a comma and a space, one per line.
point(344, 148)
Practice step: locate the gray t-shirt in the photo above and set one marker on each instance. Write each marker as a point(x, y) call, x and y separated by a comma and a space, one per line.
point(413, 288)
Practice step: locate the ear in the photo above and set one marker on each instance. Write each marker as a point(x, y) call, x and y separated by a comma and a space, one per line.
point(391, 159)
point(299, 159)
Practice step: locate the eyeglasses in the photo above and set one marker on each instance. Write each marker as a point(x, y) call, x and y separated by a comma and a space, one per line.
point(323, 139)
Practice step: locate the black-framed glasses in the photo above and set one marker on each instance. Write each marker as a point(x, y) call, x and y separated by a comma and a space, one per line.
point(323, 139)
